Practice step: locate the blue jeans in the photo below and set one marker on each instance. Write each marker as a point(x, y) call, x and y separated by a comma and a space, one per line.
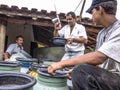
point(89, 77)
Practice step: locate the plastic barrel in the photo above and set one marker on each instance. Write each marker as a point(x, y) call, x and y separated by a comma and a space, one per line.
point(16, 81)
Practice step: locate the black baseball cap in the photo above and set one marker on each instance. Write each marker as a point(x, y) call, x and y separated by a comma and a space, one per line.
point(95, 2)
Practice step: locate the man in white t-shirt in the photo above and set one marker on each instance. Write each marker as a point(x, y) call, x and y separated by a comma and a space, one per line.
point(87, 75)
point(74, 33)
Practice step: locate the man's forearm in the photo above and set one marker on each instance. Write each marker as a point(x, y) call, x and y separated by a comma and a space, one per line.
point(55, 33)
point(80, 40)
point(6, 56)
point(93, 58)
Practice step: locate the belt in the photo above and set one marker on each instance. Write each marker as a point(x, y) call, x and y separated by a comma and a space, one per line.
point(73, 51)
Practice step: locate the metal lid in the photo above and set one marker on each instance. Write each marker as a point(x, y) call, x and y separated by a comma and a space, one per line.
point(27, 59)
point(59, 41)
point(59, 73)
point(9, 63)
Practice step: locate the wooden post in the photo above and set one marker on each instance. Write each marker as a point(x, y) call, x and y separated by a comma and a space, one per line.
point(2, 37)
point(82, 9)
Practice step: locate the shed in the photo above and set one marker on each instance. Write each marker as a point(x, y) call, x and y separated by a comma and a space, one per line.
point(36, 27)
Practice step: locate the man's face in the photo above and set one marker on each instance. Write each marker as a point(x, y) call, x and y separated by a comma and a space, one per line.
point(71, 21)
point(96, 16)
point(20, 41)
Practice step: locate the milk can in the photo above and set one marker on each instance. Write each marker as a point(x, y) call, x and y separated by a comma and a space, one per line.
point(16, 81)
point(6, 66)
point(26, 63)
point(45, 81)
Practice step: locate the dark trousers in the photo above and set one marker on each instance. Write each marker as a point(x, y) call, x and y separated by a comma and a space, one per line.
point(89, 77)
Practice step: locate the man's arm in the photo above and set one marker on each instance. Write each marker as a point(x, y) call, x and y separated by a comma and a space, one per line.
point(78, 40)
point(6, 56)
point(8, 51)
point(93, 58)
point(56, 28)
point(55, 33)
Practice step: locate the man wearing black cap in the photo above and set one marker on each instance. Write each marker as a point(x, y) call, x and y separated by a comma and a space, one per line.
point(87, 75)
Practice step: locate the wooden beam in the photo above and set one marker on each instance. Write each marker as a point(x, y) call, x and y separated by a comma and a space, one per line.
point(24, 20)
point(39, 22)
point(91, 38)
point(2, 37)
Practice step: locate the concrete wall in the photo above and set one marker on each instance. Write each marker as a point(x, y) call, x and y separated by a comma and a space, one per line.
point(17, 29)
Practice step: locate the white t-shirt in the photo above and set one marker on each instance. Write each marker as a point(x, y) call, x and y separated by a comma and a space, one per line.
point(109, 44)
point(78, 31)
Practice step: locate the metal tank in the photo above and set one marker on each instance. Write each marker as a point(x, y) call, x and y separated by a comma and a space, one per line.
point(6, 66)
point(45, 81)
point(16, 81)
point(26, 63)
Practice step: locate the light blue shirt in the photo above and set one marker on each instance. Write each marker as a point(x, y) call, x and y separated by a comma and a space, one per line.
point(14, 48)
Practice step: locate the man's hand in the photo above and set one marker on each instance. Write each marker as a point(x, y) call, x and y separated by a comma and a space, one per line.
point(69, 73)
point(6, 56)
point(69, 40)
point(57, 26)
point(53, 67)
point(7, 60)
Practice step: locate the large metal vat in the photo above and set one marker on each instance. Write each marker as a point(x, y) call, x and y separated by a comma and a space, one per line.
point(46, 81)
point(16, 81)
point(6, 66)
point(26, 63)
